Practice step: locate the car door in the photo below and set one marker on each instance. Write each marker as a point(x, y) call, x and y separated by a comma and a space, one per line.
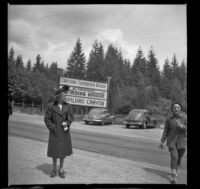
point(147, 117)
point(106, 116)
point(150, 120)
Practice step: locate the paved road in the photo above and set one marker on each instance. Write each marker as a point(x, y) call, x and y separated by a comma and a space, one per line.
point(137, 149)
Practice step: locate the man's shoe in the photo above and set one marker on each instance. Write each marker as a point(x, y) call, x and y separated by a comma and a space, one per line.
point(53, 173)
point(62, 174)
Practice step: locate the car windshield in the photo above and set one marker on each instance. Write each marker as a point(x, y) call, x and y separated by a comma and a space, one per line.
point(135, 114)
point(97, 111)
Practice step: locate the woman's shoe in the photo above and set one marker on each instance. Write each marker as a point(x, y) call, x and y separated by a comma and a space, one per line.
point(62, 174)
point(173, 180)
point(53, 173)
point(177, 169)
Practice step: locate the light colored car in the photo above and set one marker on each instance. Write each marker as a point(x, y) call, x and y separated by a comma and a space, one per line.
point(99, 115)
point(140, 117)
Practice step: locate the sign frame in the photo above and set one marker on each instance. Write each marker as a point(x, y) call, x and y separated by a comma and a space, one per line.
point(95, 88)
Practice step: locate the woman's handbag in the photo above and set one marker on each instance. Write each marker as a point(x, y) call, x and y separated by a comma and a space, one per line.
point(65, 126)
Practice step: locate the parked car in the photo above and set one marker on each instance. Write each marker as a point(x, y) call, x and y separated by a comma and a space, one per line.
point(99, 115)
point(140, 117)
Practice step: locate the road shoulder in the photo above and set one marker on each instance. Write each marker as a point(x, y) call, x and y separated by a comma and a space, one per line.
point(28, 164)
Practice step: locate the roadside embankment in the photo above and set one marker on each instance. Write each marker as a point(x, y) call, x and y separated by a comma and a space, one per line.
point(28, 164)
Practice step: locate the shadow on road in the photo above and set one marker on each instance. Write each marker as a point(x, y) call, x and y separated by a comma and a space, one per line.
point(137, 127)
point(163, 174)
point(45, 168)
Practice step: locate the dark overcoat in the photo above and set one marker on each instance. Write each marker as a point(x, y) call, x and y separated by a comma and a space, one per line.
point(59, 144)
point(175, 135)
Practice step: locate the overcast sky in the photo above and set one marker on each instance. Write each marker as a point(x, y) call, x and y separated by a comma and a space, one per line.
point(52, 30)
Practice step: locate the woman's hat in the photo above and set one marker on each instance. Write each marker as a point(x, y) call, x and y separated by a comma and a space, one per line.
point(64, 88)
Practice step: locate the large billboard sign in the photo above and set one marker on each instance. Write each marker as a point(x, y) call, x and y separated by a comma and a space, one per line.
point(85, 93)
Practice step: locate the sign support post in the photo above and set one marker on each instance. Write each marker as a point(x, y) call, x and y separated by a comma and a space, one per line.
point(108, 94)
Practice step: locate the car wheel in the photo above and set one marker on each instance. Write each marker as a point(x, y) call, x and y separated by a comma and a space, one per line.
point(86, 122)
point(127, 126)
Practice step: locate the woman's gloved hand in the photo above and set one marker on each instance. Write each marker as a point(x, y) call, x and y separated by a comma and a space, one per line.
point(161, 145)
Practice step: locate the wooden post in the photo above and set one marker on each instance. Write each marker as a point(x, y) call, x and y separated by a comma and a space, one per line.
point(108, 96)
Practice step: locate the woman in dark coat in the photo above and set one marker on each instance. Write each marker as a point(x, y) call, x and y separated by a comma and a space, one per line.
point(58, 119)
point(9, 108)
point(175, 131)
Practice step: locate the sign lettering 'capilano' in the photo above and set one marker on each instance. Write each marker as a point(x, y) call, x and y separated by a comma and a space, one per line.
point(85, 93)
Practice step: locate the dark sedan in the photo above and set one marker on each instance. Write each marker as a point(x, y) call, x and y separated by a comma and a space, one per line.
point(99, 115)
point(140, 117)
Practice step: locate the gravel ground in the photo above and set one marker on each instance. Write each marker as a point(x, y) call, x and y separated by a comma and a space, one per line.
point(28, 164)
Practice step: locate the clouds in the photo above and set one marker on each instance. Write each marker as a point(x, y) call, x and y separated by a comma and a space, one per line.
point(20, 32)
point(116, 37)
point(52, 30)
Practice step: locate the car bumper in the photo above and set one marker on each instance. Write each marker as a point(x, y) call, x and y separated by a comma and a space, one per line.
point(93, 120)
point(131, 123)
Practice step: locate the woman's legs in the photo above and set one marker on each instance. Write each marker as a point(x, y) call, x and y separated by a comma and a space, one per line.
point(53, 173)
point(174, 160)
point(181, 152)
point(54, 164)
point(61, 164)
point(61, 170)
point(174, 157)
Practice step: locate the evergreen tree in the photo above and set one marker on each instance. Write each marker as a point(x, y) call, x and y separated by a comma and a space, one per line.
point(95, 65)
point(28, 65)
point(19, 62)
point(152, 94)
point(126, 73)
point(166, 87)
point(113, 64)
point(139, 65)
point(176, 93)
point(37, 64)
point(11, 70)
point(53, 72)
point(47, 70)
point(182, 76)
point(153, 72)
point(112, 69)
point(121, 69)
point(21, 84)
point(167, 77)
point(175, 67)
point(76, 63)
point(179, 72)
point(11, 58)
point(167, 70)
point(42, 67)
point(141, 97)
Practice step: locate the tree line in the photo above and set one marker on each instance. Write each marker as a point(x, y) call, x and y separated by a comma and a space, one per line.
point(136, 84)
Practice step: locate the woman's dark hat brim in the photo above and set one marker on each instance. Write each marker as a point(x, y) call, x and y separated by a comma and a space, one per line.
point(64, 88)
